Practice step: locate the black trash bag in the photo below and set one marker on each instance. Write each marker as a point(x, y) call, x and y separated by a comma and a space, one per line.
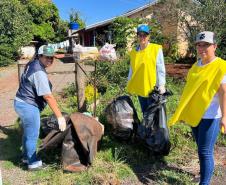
point(50, 123)
point(50, 134)
point(81, 142)
point(72, 156)
point(153, 130)
point(122, 115)
point(78, 143)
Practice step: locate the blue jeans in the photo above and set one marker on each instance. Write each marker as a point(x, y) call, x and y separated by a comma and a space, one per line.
point(206, 136)
point(144, 102)
point(30, 118)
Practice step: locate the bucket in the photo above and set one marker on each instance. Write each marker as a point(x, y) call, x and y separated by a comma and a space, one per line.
point(74, 26)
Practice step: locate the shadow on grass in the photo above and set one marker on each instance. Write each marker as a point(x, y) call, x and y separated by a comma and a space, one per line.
point(10, 147)
point(158, 171)
point(10, 142)
point(148, 167)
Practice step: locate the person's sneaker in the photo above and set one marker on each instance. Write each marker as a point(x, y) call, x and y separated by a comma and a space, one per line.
point(37, 165)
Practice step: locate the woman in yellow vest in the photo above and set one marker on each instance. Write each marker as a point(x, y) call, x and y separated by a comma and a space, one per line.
point(203, 102)
point(147, 68)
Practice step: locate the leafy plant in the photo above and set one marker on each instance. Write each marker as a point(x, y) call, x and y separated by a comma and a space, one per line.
point(14, 31)
point(75, 16)
point(89, 93)
point(193, 17)
point(109, 74)
point(124, 32)
point(45, 18)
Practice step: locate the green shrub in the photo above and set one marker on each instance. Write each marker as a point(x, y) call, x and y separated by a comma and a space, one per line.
point(109, 74)
point(15, 30)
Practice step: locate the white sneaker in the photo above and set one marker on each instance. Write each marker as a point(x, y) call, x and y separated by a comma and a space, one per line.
point(35, 165)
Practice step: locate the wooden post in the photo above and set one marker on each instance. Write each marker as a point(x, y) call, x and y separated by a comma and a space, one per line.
point(80, 81)
point(20, 66)
point(79, 75)
point(95, 95)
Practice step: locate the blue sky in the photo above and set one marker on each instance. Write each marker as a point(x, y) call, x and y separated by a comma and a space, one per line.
point(93, 11)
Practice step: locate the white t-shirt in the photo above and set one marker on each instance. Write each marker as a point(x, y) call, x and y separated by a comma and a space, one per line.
point(213, 111)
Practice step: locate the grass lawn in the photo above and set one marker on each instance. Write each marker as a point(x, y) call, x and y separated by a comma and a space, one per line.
point(116, 162)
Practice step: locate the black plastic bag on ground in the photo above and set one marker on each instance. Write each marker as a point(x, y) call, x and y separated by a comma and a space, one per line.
point(81, 142)
point(50, 134)
point(78, 142)
point(153, 130)
point(50, 123)
point(121, 114)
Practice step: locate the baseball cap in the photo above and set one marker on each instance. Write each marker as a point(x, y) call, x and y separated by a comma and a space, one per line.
point(48, 51)
point(40, 50)
point(143, 28)
point(206, 36)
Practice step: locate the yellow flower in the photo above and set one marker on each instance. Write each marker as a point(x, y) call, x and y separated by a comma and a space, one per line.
point(89, 93)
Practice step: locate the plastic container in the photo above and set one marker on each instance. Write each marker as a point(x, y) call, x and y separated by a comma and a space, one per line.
point(74, 26)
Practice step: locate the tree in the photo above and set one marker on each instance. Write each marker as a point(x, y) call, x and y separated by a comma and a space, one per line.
point(208, 15)
point(61, 32)
point(15, 30)
point(75, 16)
point(123, 30)
point(46, 23)
point(45, 19)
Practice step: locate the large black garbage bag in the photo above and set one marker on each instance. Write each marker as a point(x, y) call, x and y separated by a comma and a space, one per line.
point(122, 115)
point(78, 143)
point(50, 123)
point(81, 142)
point(73, 157)
point(50, 134)
point(153, 130)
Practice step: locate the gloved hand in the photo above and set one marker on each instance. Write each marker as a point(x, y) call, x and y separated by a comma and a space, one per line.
point(162, 89)
point(62, 123)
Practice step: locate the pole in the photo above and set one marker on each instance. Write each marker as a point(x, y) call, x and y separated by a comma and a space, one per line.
point(95, 96)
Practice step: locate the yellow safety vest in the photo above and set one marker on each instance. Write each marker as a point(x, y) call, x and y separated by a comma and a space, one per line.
point(202, 84)
point(143, 64)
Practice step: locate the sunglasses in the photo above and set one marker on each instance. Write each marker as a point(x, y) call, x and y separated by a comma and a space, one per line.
point(49, 58)
point(203, 45)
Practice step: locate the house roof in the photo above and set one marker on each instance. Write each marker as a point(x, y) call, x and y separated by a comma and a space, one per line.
point(127, 14)
point(131, 12)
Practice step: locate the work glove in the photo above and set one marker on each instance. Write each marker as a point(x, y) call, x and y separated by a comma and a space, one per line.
point(162, 89)
point(62, 123)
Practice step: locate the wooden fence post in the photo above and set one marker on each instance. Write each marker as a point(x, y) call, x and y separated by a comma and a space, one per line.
point(80, 85)
point(20, 66)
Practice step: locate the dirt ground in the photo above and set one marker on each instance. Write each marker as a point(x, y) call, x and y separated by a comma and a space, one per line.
point(9, 86)
point(177, 70)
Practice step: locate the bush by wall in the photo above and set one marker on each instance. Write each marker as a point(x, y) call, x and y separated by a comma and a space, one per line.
point(14, 30)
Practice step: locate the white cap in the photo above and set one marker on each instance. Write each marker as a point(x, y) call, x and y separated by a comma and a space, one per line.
point(40, 50)
point(206, 36)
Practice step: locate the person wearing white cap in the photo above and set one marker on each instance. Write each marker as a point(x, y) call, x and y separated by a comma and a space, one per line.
point(203, 102)
point(34, 93)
